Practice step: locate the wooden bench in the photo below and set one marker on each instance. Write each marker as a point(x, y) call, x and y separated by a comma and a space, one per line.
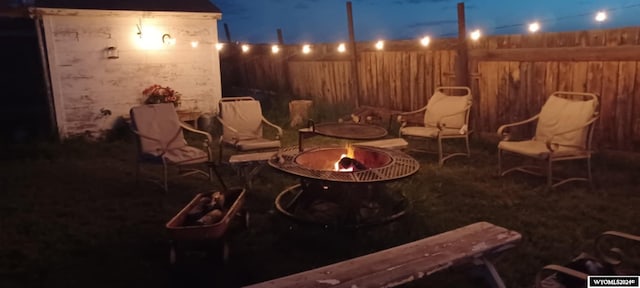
point(405, 263)
point(393, 143)
point(249, 164)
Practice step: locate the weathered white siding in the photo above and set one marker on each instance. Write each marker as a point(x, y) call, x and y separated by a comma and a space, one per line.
point(91, 92)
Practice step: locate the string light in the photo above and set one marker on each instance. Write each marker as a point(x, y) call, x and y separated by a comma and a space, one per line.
point(425, 41)
point(306, 49)
point(219, 46)
point(599, 15)
point(475, 35)
point(380, 45)
point(534, 27)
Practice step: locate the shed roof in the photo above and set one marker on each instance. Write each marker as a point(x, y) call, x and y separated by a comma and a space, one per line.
point(135, 5)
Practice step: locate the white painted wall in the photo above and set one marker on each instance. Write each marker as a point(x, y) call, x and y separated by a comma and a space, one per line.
point(86, 84)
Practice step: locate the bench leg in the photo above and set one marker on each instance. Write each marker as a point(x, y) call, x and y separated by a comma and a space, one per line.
point(491, 272)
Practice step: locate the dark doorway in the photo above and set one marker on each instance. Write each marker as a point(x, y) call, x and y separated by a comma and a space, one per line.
point(24, 112)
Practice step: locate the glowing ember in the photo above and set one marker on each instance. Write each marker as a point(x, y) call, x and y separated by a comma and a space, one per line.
point(349, 154)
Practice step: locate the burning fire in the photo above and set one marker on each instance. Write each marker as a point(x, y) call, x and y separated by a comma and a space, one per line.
point(350, 154)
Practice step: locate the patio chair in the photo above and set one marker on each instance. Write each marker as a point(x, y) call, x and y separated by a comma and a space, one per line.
point(242, 126)
point(609, 259)
point(446, 116)
point(161, 141)
point(563, 132)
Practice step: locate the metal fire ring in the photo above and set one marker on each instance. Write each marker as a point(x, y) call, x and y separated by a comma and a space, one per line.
point(355, 131)
point(401, 165)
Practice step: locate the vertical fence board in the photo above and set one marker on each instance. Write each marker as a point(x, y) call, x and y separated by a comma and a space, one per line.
point(594, 85)
point(429, 80)
point(635, 117)
point(624, 104)
point(565, 76)
point(608, 110)
point(502, 102)
point(538, 94)
point(579, 77)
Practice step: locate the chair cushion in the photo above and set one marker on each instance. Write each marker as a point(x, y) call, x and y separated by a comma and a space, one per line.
point(538, 149)
point(244, 116)
point(186, 155)
point(558, 115)
point(254, 144)
point(158, 121)
point(441, 104)
point(429, 132)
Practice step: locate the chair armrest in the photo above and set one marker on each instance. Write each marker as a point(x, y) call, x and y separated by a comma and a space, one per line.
point(551, 145)
point(613, 255)
point(550, 269)
point(501, 129)
point(274, 126)
point(207, 141)
point(189, 128)
point(401, 114)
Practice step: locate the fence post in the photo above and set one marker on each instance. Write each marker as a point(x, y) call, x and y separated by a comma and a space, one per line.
point(284, 61)
point(462, 67)
point(354, 57)
point(227, 33)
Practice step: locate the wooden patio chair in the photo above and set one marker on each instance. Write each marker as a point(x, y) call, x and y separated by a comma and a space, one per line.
point(616, 254)
point(446, 116)
point(161, 141)
point(242, 126)
point(563, 132)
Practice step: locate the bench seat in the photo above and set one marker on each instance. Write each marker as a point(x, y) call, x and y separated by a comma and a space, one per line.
point(405, 263)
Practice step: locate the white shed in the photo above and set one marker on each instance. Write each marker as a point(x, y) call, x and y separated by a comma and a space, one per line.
point(100, 56)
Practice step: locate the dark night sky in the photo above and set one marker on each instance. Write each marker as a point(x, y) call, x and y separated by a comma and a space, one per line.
point(256, 21)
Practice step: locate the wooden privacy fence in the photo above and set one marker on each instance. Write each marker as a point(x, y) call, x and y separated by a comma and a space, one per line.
point(510, 76)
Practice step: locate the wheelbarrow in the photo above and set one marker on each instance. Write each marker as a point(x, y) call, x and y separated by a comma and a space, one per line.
point(183, 234)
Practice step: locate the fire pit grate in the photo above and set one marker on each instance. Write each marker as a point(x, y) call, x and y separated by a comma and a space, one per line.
point(400, 166)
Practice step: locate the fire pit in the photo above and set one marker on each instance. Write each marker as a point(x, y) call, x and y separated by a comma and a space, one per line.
point(343, 185)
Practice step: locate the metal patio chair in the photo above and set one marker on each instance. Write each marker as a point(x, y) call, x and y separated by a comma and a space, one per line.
point(242, 126)
point(564, 131)
point(161, 141)
point(615, 254)
point(446, 116)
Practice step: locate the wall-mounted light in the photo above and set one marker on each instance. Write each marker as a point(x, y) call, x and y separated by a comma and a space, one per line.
point(111, 52)
point(275, 49)
point(194, 44)
point(342, 48)
point(167, 39)
point(245, 48)
point(219, 46)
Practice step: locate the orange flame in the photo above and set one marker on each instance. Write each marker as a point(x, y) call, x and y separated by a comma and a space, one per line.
point(350, 153)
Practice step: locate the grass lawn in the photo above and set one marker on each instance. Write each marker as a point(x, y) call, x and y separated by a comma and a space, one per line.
point(71, 215)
